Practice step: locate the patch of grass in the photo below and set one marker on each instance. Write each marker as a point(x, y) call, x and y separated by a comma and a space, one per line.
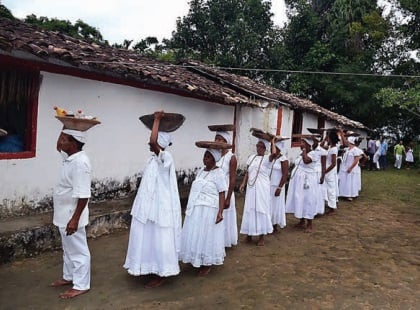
point(395, 189)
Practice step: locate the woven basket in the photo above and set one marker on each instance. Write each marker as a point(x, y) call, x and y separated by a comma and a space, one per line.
point(226, 127)
point(213, 145)
point(80, 124)
point(168, 123)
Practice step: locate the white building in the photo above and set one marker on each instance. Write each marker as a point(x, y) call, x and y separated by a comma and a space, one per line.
point(40, 70)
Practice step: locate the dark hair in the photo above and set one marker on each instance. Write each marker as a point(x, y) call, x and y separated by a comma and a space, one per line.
point(332, 135)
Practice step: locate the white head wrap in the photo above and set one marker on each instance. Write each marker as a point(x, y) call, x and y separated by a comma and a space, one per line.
point(281, 145)
point(309, 141)
point(225, 135)
point(266, 143)
point(164, 139)
point(351, 140)
point(217, 154)
point(78, 135)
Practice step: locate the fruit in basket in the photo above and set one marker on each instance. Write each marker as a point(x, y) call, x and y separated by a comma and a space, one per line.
point(59, 111)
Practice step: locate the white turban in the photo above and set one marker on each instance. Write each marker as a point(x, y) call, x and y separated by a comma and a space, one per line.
point(78, 135)
point(164, 139)
point(281, 145)
point(217, 154)
point(309, 141)
point(225, 135)
point(351, 140)
point(266, 143)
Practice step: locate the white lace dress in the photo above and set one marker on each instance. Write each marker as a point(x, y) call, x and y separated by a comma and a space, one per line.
point(202, 241)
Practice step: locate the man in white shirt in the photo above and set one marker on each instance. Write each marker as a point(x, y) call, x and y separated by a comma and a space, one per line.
point(71, 213)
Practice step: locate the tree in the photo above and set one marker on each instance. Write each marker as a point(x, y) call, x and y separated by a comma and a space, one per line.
point(5, 12)
point(79, 30)
point(229, 33)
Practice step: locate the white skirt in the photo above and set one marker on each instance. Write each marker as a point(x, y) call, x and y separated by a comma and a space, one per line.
point(278, 207)
point(300, 201)
point(202, 241)
point(349, 184)
point(231, 224)
point(151, 250)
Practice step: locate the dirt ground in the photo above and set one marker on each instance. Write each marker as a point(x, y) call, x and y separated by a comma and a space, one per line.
point(365, 257)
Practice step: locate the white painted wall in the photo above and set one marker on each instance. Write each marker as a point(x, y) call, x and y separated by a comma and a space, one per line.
point(118, 147)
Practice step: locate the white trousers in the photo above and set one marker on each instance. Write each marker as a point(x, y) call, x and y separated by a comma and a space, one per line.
point(76, 258)
point(398, 161)
point(331, 185)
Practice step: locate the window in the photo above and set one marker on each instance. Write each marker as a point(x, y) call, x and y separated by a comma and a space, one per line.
point(297, 127)
point(18, 111)
point(321, 122)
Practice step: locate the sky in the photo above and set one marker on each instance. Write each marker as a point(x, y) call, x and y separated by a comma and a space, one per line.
point(122, 19)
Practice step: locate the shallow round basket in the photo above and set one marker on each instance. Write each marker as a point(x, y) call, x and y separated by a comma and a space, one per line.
point(308, 136)
point(319, 131)
point(75, 123)
point(213, 145)
point(280, 138)
point(226, 127)
point(258, 133)
point(168, 123)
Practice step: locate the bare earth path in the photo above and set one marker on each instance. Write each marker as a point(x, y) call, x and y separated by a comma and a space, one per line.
point(365, 257)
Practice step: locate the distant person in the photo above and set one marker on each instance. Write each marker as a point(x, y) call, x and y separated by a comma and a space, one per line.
point(377, 154)
point(384, 152)
point(155, 232)
point(399, 151)
point(371, 150)
point(71, 213)
point(331, 177)
point(409, 158)
point(348, 176)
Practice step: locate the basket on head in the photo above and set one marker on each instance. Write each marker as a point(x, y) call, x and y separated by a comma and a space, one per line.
point(260, 134)
point(306, 136)
point(225, 127)
point(280, 138)
point(213, 145)
point(74, 123)
point(168, 123)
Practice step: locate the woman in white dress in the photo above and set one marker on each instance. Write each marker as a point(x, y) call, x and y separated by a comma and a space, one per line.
point(303, 185)
point(320, 170)
point(256, 219)
point(155, 231)
point(278, 177)
point(331, 177)
point(349, 174)
point(228, 164)
point(202, 240)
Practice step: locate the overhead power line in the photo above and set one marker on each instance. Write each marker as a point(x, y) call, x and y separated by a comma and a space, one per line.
point(261, 70)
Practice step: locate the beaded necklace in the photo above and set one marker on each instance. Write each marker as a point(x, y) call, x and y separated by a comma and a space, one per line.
point(252, 182)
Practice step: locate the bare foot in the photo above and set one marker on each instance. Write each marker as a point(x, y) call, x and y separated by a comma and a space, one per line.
point(248, 239)
point(158, 281)
point(61, 282)
point(204, 270)
point(71, 293)
point(261, 242)
point(300, 225)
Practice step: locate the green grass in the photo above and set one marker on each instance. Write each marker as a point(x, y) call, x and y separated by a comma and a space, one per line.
point(396, 189)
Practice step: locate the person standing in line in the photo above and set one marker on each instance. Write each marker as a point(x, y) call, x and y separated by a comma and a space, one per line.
point(202, 241)
point(71, 213)
point(348, 176)
point(331, 177)
point(256, 219)
point(399, 151)
point(320, 169)
point(155, 231)
point(301, 198)
point(228, 164)
point(278, 177)
point(384, 151)
point(409, 158)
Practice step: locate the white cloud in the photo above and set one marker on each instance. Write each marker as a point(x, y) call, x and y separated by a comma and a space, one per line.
point(118, 20)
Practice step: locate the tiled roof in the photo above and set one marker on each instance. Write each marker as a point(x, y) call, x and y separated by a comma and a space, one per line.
point(193, 79)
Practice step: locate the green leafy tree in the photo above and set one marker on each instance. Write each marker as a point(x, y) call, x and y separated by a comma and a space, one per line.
point(230, 33)
point(5, 12)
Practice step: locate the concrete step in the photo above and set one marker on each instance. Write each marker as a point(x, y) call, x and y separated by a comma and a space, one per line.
point(31, 235)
